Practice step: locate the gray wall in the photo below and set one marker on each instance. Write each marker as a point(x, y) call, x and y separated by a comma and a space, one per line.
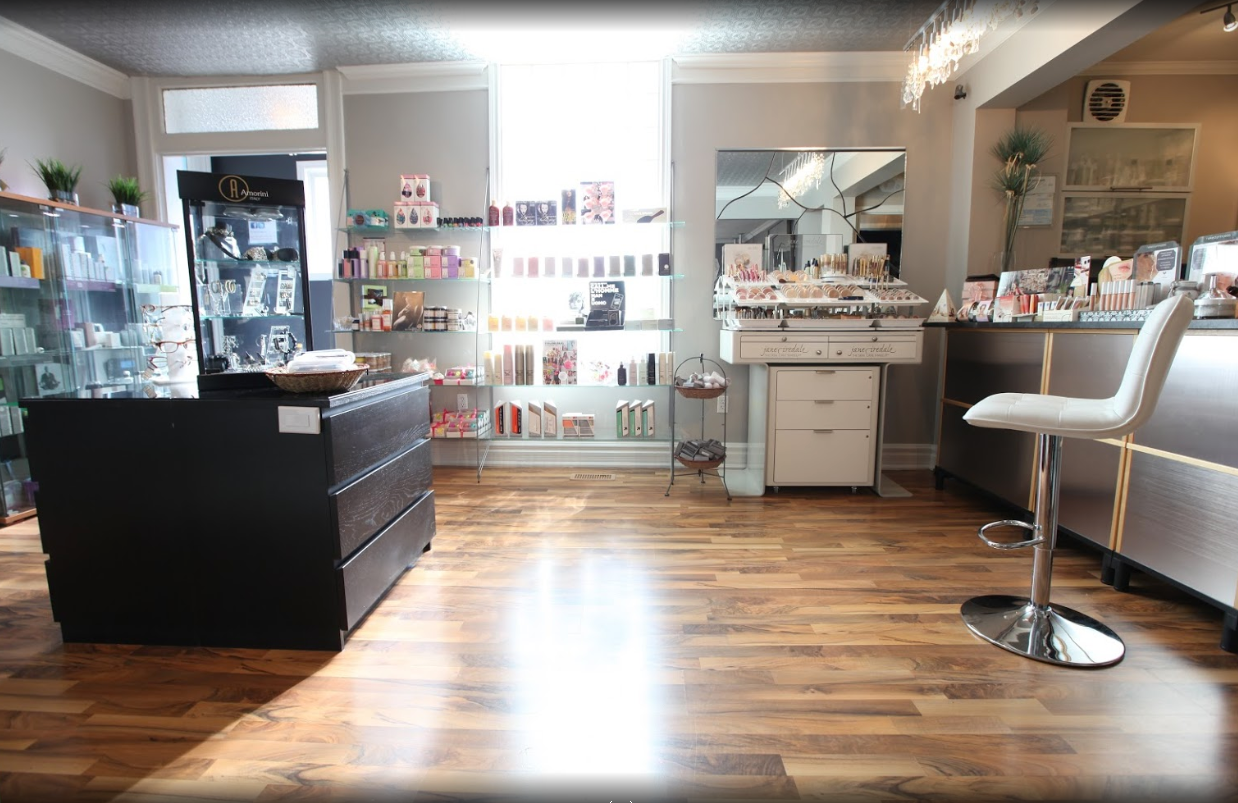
point(446, 136)
point(46, 115)
point(709, 117)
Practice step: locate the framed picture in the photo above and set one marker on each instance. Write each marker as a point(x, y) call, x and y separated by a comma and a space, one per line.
point(979, 288)
point(49, 378)
point(372, 297)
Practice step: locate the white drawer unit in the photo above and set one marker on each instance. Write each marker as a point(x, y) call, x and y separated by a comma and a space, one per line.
point(822, 425)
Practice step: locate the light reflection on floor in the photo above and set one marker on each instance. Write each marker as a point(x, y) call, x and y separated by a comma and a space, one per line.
point(582, 646)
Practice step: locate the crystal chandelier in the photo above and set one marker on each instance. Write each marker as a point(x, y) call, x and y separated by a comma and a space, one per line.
point(952, 32)
point(802, 174)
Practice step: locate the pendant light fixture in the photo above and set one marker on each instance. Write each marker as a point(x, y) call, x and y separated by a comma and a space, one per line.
point(1228, 22)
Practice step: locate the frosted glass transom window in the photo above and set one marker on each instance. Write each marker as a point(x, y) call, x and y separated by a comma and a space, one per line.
point(210, 110)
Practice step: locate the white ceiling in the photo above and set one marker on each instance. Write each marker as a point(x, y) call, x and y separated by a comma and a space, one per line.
point(269, 37)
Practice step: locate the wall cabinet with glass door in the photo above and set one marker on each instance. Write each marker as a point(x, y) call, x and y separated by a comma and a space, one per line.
point(79, 289)
point(1126, 185)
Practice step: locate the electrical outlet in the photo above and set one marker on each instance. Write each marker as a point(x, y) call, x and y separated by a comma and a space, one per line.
point(722, 403)
point(462, 401)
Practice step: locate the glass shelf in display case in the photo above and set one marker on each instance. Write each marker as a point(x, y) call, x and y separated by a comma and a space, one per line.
point(251, 308)
point(76, 289)
point(1119, 223)
point(1147, 157)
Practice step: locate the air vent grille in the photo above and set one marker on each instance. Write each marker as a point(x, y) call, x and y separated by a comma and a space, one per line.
point(1106, 101)
point(593, 476)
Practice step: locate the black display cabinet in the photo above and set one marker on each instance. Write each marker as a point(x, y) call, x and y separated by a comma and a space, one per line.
point(245, 240)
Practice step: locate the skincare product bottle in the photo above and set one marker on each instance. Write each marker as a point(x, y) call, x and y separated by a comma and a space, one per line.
point(633, 376)
point(509, 215)
point(651, 370)
point(495, 213)
point(622, 374)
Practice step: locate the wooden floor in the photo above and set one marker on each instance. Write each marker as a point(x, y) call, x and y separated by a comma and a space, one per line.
point(595, 641)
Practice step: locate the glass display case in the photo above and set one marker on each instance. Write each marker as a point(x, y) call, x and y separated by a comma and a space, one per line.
point(79, 289)
point(245, 239)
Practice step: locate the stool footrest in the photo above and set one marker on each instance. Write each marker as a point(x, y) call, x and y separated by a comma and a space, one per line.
point(1010, 544)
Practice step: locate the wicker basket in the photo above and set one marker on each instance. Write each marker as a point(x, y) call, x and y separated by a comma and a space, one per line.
point(697, 464)
point(700, 393)
point(316, 382)
point(702, 465)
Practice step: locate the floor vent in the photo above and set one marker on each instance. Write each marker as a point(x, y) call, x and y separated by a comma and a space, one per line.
point(593, 476)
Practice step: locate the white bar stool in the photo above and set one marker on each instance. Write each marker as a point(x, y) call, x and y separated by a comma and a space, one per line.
point(1031, 626)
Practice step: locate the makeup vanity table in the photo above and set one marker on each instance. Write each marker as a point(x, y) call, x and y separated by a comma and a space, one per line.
point(816, 401)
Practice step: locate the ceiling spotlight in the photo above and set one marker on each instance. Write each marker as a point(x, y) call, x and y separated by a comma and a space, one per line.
point(1228, 22)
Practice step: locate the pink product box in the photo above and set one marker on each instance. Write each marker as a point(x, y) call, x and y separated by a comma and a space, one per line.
point(429, 215)
point(433, 272)
point(433, 261)
point(433, 251)
point(534, 267)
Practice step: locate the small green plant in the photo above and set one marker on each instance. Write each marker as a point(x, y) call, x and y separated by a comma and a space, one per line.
point(3, 186)
point(125, 190)
point(1020, 151)
point(56, 175)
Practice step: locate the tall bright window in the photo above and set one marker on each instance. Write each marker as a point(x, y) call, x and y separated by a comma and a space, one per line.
point(561, 125)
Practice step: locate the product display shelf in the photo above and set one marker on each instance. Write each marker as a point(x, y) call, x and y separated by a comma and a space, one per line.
point(446, 347)
point(708, 468)
point(89, 274)
point(595, 228)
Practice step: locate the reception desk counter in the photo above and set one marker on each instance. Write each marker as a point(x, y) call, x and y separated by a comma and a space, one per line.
point(1161, 500)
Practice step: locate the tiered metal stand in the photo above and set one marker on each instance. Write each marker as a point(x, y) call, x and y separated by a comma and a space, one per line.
point(698, 468)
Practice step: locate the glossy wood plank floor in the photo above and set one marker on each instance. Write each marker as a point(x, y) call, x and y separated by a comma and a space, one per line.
point(595, 641)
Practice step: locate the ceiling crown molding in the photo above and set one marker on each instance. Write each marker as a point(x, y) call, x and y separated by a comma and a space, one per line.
point(37, 48)
point(425, 76)
point(783, 68)
point(1110, 68)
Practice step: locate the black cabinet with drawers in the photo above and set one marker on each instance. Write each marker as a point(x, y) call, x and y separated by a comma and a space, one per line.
point(248, 518)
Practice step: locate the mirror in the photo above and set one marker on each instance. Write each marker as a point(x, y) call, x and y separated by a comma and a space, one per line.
point(830, 198)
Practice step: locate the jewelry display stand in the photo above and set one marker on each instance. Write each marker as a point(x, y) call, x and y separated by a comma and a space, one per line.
point(698, 468)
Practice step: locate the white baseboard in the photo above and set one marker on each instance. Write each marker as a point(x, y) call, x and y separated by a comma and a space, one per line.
point(535, 452)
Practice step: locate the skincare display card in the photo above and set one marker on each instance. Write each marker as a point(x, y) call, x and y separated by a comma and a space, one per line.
point(559, 361)
point(606, 305)
point(743, 261)
point(409, 310)
point(285, 293)
point(622, 427)
point(534, 419)
point(597, 202)
point(372, 297)
point(647, 417)
point(550, 419)
point(1158, 263)
point(254, 287)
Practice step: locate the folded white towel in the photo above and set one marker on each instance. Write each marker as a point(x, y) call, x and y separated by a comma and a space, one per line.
point(324, 355)
point(320, 367)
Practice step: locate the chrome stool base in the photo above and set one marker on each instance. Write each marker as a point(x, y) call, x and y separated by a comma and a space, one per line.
point(1052, 633)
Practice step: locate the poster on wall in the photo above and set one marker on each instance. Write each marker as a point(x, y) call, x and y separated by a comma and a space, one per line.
point(1038, 203)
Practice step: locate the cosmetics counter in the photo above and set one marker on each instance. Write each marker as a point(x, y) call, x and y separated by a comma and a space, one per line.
point(818, 347)
point(241, 518)
point(1157, 500)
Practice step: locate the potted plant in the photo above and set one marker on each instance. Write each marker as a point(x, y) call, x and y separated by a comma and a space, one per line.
point(3, 186)
point(127, 195)
point(59, 178)
point(1020, 151)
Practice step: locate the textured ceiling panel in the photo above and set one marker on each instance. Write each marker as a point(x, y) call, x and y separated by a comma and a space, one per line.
point(267, 37)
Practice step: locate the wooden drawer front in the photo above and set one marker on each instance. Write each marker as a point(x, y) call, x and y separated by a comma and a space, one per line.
point(826, 414)
point(363, 436)
point(826, 383)
point(365, 506)
point(365, 578)
point(875, 348)
point(805, 457)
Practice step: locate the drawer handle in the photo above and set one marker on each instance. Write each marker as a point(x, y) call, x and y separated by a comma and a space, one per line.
point(823, 401)
point(826, 372)
point(823, 430)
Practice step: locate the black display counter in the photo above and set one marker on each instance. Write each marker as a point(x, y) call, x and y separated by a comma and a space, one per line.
point(248, 518)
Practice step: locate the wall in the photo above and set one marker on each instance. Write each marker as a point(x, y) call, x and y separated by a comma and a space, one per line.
point(271, 165)
point(46, 115)
point(444, 135)
point(1210, 100)
point(709, 117)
